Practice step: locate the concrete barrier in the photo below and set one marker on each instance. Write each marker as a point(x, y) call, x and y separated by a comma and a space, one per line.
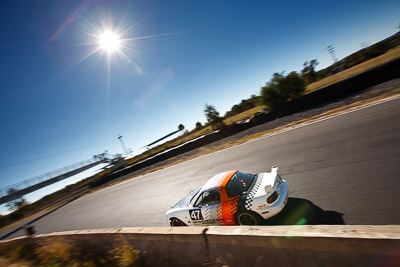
point(306, 246)
point(334, 245)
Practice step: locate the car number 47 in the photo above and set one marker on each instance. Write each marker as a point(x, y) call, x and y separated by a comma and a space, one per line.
point(195, 215)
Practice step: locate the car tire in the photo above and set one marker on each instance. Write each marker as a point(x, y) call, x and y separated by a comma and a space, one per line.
point(248, 218)
point(175, 222)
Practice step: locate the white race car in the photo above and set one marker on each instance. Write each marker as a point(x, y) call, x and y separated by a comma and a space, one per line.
point(232, 198)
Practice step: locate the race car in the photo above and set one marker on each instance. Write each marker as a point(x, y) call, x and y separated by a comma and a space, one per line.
point(232, 198)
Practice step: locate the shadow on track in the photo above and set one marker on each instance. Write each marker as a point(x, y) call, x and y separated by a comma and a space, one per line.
point(300, 211)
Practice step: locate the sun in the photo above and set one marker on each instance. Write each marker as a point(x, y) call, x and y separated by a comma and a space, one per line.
point(112, 43)
point(109, 41)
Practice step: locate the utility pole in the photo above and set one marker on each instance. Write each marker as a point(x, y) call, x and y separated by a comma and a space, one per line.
point(331, 51)
point(122, 144)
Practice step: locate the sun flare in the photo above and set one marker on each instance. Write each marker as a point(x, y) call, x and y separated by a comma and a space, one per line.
point(109, 41)
point(114, 45)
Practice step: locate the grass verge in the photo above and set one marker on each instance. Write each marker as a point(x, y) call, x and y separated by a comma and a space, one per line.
point(244, 115)
point(63, 252)
point(360, 68)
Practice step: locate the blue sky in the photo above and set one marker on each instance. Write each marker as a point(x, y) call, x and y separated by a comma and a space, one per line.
point(57, 109)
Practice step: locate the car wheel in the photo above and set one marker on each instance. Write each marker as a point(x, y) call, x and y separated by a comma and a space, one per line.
point(175, 222)
point(248, 218)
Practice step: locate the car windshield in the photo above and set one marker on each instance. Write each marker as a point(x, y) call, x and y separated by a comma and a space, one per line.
point(208, 197)
point(186, 200)
point(238, 183)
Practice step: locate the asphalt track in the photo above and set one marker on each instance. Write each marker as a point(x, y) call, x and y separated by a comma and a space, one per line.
point(348, 165)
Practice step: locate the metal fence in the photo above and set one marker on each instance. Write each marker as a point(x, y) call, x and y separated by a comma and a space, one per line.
point(49, 175)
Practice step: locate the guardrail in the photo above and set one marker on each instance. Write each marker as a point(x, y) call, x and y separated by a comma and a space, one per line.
point(323, 245)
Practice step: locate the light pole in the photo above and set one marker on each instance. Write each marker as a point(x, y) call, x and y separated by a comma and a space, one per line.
point(331, 51)
point(123, 144)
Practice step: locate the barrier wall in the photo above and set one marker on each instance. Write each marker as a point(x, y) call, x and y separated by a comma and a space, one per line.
point(334, 245)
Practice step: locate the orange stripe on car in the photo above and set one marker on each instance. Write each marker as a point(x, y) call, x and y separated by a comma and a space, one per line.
point(229, 209)
point(226, 210)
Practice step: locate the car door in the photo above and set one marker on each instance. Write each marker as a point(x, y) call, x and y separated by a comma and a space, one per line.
point(209, 212)
point(195, 213)
point(204, 211)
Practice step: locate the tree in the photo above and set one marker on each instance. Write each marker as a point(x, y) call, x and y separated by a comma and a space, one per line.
point(308, 72)
point(282, 88)
point(213, 117)
point(257, 100)
point(198, 125)
point(244, 105)
point(17, 203)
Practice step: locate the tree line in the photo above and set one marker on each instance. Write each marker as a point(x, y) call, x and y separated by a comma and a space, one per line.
point(285, 87)
point(277, 91)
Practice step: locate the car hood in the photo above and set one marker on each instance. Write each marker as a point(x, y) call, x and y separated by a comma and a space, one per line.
point(186, 200)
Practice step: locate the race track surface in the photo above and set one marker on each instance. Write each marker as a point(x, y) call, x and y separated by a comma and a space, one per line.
point(347, 165)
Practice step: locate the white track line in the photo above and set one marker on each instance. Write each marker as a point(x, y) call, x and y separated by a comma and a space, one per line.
point(378, 102)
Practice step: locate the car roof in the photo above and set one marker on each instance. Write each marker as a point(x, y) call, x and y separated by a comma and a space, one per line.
point(219, 180)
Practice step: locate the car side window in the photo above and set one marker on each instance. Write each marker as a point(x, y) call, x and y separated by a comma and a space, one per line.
point(208, 197)
point(199, 200)
point(211, 197)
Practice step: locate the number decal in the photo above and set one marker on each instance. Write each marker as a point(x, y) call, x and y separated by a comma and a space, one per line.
point(195, 215)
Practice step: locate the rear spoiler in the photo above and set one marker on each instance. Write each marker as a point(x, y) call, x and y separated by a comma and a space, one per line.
point(274, 168)
point(268, 188)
